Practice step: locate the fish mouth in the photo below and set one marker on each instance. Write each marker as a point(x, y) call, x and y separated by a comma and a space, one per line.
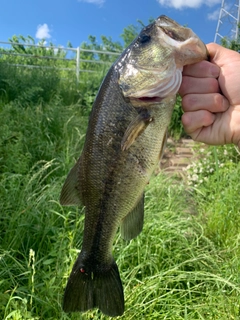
point(183, 39)
point(150, 99)
point(146, 99)
point(174, 30)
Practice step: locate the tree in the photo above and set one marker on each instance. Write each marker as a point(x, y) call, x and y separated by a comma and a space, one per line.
point(131, 32)
point(232, 44)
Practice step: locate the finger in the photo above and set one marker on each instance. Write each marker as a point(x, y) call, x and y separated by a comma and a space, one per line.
point(193, 121)
point(220, 55)
point(203, 69)
point(198, 85)
point(213, 102)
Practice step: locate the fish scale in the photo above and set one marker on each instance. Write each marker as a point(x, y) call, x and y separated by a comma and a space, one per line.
point(124, 142)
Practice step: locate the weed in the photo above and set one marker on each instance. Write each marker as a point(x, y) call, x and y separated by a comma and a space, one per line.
point(185, 263)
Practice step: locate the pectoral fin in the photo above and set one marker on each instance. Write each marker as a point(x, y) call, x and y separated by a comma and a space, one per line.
point(132, 224)
point(71, 194)
point(135, 128)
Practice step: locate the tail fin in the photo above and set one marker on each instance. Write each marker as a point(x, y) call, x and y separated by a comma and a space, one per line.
point(101, 289)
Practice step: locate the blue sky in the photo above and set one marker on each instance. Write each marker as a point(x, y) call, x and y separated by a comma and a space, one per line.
point(60, 21)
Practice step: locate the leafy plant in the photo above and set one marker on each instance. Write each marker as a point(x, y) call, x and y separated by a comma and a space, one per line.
point(185, 263)
point(175, 128)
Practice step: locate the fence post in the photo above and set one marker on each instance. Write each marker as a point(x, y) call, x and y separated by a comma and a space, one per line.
point(78, 64)
point(76, 59)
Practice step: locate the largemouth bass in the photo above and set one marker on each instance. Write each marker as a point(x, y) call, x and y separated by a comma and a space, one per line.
point(124, 142)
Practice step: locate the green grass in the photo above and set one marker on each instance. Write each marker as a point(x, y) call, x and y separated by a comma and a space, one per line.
point(185, 263)
point(173, 270)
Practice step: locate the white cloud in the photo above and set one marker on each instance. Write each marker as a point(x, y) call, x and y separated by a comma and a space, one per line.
point(97, 2)
point(214, 15)
point(43, 31)
point(179, 4)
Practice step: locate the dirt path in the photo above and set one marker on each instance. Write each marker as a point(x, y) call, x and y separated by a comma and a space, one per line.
point(177, 156)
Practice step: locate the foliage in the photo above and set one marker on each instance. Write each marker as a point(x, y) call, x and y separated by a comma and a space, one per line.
point(102, 61)
point(173, 270)
point(131, 31)
point(24, 51)
point(107, 44)
point(27, 86)
point(46, 79)
point(175, 128)
point(38, 84)
point(214, 181)
point(209, 161)
point(233, 44)
point(185, 263)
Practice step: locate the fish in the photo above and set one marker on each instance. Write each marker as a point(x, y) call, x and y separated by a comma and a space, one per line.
point(124, 142)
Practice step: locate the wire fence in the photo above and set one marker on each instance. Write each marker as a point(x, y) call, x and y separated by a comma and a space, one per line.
point(72, 55)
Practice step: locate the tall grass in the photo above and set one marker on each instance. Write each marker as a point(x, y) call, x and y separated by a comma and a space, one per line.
point(185, 263)
point(173, 270)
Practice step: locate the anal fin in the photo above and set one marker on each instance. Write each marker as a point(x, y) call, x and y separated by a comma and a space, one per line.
point(132, 224)
point(71, 194)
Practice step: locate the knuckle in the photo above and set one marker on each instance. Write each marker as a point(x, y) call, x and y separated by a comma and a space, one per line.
point(220, 102)
point(213, 85)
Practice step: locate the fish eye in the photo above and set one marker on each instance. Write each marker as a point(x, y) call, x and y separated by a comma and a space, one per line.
point(143, 38)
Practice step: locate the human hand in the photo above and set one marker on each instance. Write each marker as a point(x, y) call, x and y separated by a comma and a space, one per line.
point(211, 97)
